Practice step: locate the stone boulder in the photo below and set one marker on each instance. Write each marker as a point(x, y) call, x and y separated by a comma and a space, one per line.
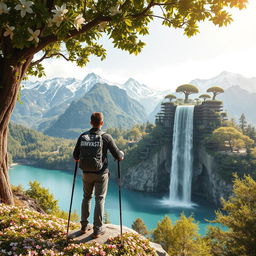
point(111, 231)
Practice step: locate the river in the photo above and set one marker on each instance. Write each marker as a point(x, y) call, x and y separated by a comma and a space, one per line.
point(146, 206)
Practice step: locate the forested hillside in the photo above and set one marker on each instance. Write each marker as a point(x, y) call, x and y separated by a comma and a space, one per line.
point(31, 147)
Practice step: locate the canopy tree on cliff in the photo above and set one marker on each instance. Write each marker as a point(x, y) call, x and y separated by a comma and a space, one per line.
point(187, 89)
point(204, 96)
point(215, 90)
point(71, 30)
point(170, 97)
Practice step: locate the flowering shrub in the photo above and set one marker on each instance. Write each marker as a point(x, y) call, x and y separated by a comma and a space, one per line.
point(25, 232)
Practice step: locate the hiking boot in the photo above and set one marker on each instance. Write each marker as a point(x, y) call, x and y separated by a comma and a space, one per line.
point(98, 233)
point(80, 232)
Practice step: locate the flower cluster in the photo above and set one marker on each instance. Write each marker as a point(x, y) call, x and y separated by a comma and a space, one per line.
point(25, 232)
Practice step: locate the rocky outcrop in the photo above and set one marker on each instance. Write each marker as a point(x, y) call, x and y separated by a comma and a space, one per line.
point(111, 230)
point(152, 174)
point(207, 182)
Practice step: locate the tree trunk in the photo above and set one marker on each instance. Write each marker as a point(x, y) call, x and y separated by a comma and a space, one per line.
point(214, 96)
point(186, 97)
point(12, 73)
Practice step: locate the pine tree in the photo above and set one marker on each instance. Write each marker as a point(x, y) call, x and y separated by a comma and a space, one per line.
point(240, 219)
point(140, 227)
point(182, 238)
point(243, 123)
point(106, 218)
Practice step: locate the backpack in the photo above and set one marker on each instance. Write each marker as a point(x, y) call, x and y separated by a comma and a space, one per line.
point(91, 145)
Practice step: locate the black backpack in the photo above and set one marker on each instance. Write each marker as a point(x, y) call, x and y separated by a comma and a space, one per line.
point(91, 145)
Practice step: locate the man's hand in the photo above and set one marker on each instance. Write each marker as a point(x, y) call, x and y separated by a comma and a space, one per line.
point(122, 156)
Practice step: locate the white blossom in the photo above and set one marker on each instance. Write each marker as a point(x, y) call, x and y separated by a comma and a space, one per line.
point(9, 31)
point(79, 20)
point(114, 10)
point(3, 8)
point(24, 7)
point(59, 14)
point(34, 35)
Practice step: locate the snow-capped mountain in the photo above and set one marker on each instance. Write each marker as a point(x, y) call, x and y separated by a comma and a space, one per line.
point(239, 96)
point(56, 91)
point(227, 80)
point(44, 101)
point(146, 96)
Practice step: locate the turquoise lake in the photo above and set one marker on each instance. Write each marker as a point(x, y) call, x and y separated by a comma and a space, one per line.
point(146, 206)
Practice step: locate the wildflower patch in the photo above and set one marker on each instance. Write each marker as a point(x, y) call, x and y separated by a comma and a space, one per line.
point(25, 232)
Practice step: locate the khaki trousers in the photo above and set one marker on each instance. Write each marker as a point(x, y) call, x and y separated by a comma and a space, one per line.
point(98, 183)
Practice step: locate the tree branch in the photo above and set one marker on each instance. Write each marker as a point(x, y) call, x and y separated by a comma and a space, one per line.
point(46, 56)
point(58, 54)
point(40, 60)
point(53, 38)
point(150, 5)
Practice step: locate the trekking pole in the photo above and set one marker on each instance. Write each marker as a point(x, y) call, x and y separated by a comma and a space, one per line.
point(73, 188)
point(120, 199)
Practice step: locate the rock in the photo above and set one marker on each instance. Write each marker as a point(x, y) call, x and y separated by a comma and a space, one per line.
point(150, 175)
point(21, 199)
point(206, 180)
point(111, 231)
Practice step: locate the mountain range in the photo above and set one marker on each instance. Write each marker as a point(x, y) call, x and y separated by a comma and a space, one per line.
point(119, 111)
point(47, 104)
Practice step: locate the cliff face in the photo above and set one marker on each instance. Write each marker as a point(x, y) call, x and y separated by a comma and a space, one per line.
point(152, 174)
point(207, 183)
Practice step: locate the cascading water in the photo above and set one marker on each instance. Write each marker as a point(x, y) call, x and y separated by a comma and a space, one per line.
point(182, 156)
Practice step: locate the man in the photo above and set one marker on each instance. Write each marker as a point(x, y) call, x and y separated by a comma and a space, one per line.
point(91, 152)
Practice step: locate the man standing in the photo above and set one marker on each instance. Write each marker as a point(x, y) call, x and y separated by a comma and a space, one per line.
point(91, 152)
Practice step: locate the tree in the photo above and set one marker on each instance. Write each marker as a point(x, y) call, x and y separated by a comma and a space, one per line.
point(163, 233)
point(106, 218)
point(232, 137)
point(239, 217)
point(43, 196)
point(242, 123)
point(187, 89)
point(181, 238)
point(251, 132)
point(170, 97)
point(204, 96)
point(139, 226)
point(32, 31)
point(215, 90)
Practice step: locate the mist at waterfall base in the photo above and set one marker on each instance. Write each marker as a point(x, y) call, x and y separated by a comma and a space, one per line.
point(182, 159)
point(146, 206)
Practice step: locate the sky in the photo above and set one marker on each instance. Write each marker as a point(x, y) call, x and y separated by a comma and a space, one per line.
point(170, 59)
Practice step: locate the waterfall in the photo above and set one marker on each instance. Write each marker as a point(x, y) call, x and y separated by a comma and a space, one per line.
point(182, 156)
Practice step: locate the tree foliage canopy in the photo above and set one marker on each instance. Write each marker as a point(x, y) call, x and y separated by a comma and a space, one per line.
point(170, 97)
point(232, 137)
point(240, 218)
point(187, 88)
point(181, 238)
point(71, 29)
point(204, 96)
point(215, 90)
